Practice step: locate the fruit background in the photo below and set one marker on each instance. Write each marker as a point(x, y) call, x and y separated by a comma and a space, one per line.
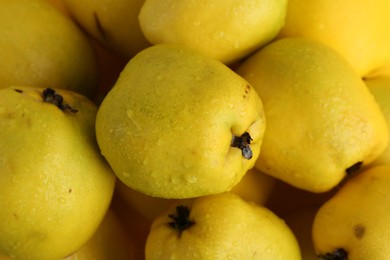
point(319, 73)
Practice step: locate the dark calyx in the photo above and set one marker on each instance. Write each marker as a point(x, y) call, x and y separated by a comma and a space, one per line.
point(181, 221)
point(339, 254)
point(50, 96)
point(243, 143)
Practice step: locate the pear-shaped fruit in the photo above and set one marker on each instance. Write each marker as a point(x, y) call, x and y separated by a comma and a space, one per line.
point(178, 124)
point(322, 121)
point(354, 224)
point(55, 187)
point(357, 29)
point(225, 30)
point(113, 23)
point(40, 46)
point(222, 226)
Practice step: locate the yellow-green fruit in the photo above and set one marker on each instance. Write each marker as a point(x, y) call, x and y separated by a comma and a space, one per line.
point(358, 29)
point(55, 187)
point(113, 23)
point(322, 121)
point(40, 46)
point(178, 124)
point(355, 221)
point(380, 88)
point(222, 226)
point(225, 30)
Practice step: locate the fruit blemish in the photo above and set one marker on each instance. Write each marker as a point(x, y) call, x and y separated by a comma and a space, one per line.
point(247, 89)
point(359, 230)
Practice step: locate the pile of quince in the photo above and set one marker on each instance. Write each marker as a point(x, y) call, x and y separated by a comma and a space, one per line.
point(194, 129)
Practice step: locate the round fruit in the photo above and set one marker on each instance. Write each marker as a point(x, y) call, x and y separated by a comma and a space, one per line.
point(178, 124)
point(55, 187)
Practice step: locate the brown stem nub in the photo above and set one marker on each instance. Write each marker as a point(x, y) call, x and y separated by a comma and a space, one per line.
point(50, 96)
point(339, 254)
point(354, 168)
point(243, 143)
point(181, 221)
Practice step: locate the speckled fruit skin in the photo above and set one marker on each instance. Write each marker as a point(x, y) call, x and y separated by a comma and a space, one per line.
point(114, 24)
point(55, 187)
point(322, 121)
point(42, 46)
point(356, 219)
point(224, 30)
point(167, 126)
point(223, 226)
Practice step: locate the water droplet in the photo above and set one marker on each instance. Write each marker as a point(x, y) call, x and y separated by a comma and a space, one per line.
point(62, 200)
point(191, 179)
point(173, 180)
point(126, 175)
point(218, 35)
point(242, 113)
point(131, 115)
point(145, 161)
point(160, 142)
point(16, 246)
point(231, 106)
point(236, 44)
